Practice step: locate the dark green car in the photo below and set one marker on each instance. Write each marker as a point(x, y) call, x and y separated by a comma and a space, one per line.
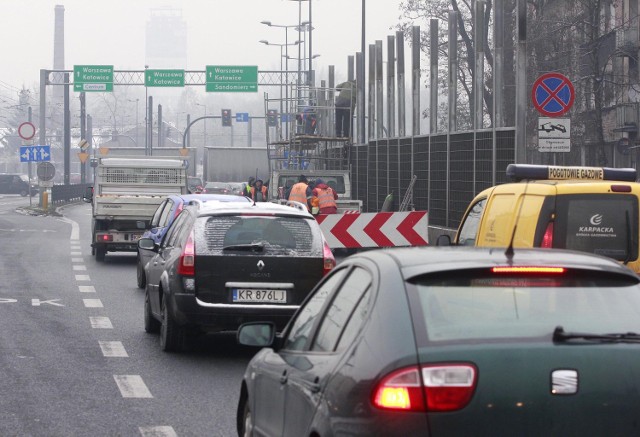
point(451, 342)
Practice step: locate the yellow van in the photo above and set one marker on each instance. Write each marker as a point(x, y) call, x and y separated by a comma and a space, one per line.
point(580, 208)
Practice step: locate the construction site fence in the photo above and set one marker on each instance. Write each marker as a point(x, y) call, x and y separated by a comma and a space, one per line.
point(450, 168)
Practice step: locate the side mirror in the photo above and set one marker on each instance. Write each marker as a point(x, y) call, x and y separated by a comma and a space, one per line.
point(88, 195)
point(443, 240)
point(147, 244)
point(260, 334)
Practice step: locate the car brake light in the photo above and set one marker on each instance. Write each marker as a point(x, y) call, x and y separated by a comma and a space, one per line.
point(528, 269)
point(448, 387)
point(400, 390)
point(329, 260)
point(547, 238)
point(187, 263)
point(103, 238)
point(621, 188)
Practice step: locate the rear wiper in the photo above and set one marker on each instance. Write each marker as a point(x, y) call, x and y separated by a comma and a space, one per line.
point(256, 247)
point(559, 336)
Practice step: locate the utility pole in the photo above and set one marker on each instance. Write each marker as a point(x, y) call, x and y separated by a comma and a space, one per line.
point(83, 135)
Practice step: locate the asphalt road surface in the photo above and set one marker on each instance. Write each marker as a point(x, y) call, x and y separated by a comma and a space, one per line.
point(74, 358)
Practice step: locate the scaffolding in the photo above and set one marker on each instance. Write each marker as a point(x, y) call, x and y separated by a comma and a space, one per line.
point(301, 131)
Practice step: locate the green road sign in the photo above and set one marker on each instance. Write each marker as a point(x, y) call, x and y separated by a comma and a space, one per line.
point(232, 79)
point(98, 78)
point(164, 78)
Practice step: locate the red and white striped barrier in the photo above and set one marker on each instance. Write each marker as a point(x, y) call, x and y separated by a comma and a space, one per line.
point(376, 229)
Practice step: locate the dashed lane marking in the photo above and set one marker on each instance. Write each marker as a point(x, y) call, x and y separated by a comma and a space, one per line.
point(76, 253)
point(92, 303)
point(79, 268)
point(77, 260)
point(157, 431)
point(86, 288)
point(100, 323)
point(113, 349)
point(83, 278)
point(132, 386)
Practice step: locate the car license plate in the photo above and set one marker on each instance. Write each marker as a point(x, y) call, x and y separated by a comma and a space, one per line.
point(259, 296)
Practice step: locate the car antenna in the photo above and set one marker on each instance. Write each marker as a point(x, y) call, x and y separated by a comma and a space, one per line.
point(509, 252)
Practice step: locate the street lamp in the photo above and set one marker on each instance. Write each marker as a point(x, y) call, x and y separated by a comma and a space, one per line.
point(205, 124)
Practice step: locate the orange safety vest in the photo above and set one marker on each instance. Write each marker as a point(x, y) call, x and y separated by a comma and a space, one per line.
point(264, 193)
point(299, 193)
point(325, 198)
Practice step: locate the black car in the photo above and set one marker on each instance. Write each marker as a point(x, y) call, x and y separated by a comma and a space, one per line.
point(449, 342)
point(16, 184)
point(223, 264)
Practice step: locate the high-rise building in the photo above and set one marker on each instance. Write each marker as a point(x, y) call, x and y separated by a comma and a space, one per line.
point(166, 39)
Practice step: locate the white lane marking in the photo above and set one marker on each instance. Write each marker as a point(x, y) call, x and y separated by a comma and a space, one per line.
point(100, 323)
point(92, 303)
point(53, 302)
point(77, 260)
point(75, 229)
point(113, 349)
point(86, 288)
point(7, 300)
point(132, 386)
point(157, 431)
point(83, 278)
point(77, 267)
point(76, 253)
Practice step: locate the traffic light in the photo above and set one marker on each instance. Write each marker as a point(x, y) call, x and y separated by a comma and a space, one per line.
point(272, 117)
point(226, 117)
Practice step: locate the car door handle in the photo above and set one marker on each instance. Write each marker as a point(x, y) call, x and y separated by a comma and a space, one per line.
point(284, 378)
point(315, 385)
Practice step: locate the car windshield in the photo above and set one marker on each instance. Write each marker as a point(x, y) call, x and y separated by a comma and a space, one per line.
point(239, 235)
point(484, 308)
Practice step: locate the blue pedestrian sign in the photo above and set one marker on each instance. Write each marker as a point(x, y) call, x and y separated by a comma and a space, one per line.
point(35, 153)
point(242, 117)
point(552, 94)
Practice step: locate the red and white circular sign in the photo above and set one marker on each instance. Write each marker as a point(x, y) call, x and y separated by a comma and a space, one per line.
point(26, 130)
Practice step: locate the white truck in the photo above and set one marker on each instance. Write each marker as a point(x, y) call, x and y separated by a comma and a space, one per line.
point(339, 180)
point(126, 194)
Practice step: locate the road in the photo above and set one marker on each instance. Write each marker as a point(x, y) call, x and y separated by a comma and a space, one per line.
point(75, 358)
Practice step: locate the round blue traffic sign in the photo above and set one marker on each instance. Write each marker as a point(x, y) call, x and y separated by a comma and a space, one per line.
point(552, 94)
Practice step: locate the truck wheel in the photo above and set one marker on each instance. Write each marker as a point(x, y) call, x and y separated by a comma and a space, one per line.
point(141, 276)
point(171, 335)
point(100, 253)
point(151, 325)
point(23, 193)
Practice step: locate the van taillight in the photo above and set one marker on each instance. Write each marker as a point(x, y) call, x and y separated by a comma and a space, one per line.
point(187, 264)
point(101, 238)
point(445, 387)
point(547, 238)
point(329, 260)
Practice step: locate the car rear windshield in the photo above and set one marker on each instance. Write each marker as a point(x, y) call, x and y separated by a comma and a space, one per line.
point(475, 307)
point(259, 235)
point(603, 224)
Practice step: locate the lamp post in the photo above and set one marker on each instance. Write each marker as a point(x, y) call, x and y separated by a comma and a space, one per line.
point(205, 124)
point(286, 41)
point(265, 42)
point(137, 101)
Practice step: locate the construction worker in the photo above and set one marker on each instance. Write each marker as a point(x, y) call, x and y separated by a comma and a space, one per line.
point(258, 192)
point(301, 192)
point(250, 183)
point(326, 197)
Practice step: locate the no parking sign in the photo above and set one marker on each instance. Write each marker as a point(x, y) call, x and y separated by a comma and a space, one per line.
point(552, 94)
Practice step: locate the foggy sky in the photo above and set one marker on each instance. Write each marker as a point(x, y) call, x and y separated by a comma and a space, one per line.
point(219, 32)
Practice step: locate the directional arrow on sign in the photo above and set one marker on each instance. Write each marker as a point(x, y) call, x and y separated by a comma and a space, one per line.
point(26, 154)
point(43, 154)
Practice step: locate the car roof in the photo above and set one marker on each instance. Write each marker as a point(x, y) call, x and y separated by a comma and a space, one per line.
point(249, 207)
point(416, 261)
point(206, 197)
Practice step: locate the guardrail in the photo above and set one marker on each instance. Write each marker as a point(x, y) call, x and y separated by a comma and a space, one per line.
point(67, 193)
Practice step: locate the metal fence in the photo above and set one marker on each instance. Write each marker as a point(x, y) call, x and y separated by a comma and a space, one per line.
point(67, 193)
point(450, 169)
